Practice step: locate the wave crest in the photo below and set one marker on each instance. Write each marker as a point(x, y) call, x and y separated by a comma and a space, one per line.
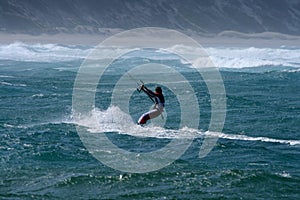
point(222, 57)
point(19, 51)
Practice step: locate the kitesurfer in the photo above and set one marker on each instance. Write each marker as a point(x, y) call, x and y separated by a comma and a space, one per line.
point(158, 107)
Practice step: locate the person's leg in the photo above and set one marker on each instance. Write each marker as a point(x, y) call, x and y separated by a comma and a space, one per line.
point(144, 118)
point(155, 113)
point(150, 115)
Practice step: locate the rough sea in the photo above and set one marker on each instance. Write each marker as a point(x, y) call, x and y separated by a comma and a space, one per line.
point(42, 155)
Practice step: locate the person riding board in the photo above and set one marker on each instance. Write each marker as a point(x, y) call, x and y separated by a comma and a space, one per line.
point(158, 107)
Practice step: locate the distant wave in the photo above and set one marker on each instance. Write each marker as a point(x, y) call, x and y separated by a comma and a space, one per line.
point(222, 57)
point(263, 35)
point(12, 84)
point(254, 57)
point(19, 51)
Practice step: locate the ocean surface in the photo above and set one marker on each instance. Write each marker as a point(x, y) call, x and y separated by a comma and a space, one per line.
point(42, 156)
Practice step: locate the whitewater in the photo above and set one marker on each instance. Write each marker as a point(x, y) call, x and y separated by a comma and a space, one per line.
point(223, 57)
point(115, 120)
point(43, 155)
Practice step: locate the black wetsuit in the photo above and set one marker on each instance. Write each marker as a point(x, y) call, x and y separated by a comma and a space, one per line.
point(159, 105)
point(158, 97)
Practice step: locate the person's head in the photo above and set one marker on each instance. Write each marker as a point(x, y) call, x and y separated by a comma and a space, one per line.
point(158, 90)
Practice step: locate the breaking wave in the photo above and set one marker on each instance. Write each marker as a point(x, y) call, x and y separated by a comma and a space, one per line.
point(223, 57)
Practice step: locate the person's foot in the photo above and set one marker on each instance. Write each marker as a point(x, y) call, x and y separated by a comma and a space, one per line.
point(140, 124)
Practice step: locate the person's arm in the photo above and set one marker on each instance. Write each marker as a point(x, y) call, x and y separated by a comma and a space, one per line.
point(148, 91)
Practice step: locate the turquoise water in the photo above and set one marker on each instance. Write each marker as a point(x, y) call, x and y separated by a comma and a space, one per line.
point(257, 155)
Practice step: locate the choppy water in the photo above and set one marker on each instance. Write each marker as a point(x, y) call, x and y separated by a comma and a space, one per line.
point(42, 156)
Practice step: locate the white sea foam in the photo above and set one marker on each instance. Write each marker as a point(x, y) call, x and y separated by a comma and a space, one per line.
point(12, 84)
point(222, 57)
point(292, 70)
point(41, 52)
point(38, 95)
point(249, 138)
point(5, 76)
point(115, 120)
point(254, 57)
point(284, 174)
point(238, 57)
